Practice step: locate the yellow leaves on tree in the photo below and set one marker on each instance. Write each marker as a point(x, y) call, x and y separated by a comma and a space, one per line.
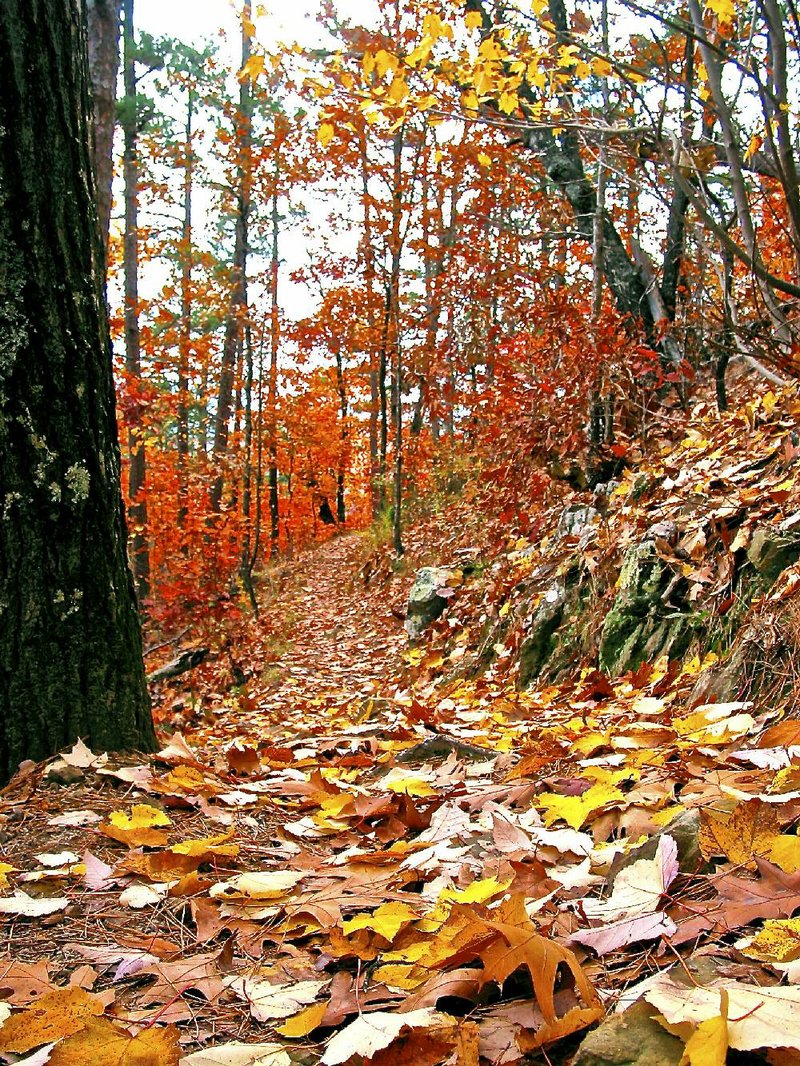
point(325, 134)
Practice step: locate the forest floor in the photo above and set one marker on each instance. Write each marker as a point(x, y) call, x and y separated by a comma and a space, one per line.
point(354, 853)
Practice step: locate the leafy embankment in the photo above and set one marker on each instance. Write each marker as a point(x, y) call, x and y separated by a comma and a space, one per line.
point(373, 855)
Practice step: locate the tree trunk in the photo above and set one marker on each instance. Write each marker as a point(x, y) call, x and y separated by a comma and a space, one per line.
point(367, 252)
point(733, 155)
point(103, 21)
point(137, 461)
point(396, 247)
point(560, 158)
point(185, 341)
point(70, 645)
point(676, 224)
point(233, 328)
point(344, 436)
point(272, 392)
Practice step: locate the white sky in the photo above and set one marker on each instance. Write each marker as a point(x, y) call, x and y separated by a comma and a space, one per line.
point(193, 21)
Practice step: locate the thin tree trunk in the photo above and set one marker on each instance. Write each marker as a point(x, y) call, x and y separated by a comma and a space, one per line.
point(395, 347)
point(246, 565)
point(368, 258)
point(137, 468)
point(676, 224)
point(344, 436)
point(272, 394)
point(185, 341)
point(733, 156)
point(777, 111)
point(238, 305)
point(103, 22)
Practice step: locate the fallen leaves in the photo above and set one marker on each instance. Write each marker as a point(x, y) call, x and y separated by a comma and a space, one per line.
point(54, 1016)
point(370, 1033)
point(751, 1017)
point(367, 877)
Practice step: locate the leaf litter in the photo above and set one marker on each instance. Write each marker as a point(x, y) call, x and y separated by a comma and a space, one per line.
point(303, 878)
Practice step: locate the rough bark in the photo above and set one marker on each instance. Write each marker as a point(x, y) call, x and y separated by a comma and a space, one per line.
point(103, 22)
point(70, 644)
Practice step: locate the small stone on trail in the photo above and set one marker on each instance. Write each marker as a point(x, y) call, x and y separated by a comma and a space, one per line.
point(61, 773)
point(633, 1038)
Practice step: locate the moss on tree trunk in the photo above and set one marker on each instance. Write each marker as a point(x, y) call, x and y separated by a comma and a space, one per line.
point(70, 644)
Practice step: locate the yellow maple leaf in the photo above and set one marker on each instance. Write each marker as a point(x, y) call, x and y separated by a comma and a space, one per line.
point(410, 786)
point(478, 892)
point(207, 846)
point(508, 102)
point(708, 1044)
point(55, 1015)
point(398, 90)
point(749, 832)
point(402, 975)
point(473, 20)
point(433, 26)
point(386, 921)
point(575, 810)
point(252, 68)
point(103, 1044)
point(142, 816)
point(777, 941)
point(385, 61)
point(484, 159)
point(723, 9)
point(785, 852)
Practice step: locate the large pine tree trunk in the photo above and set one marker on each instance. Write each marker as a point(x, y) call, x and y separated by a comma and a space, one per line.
point(70, 645)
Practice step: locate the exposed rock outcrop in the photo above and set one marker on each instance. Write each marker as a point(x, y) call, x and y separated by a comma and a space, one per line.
point(433, 588)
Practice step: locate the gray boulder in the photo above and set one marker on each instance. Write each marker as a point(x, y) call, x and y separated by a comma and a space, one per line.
point(575, 518)
point(633, 1038)
point(432, 590)
point(773, 548)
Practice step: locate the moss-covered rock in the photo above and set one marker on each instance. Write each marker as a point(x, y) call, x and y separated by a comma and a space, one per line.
point(646, 619)
point(429, 596)
point(556, 631)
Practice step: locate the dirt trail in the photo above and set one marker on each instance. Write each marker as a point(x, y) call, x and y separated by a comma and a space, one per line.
point(340, 637)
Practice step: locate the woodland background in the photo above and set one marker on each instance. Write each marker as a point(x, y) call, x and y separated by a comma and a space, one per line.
point(527, 235)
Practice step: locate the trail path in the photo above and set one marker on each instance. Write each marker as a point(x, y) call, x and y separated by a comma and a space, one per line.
point(340, 637)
